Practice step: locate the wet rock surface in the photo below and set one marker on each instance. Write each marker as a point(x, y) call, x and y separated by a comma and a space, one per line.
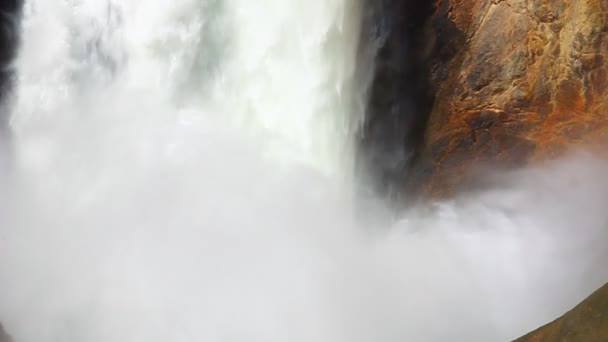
point(400, 96)
point(464, 84)
point(515, 81)
point(476, 84)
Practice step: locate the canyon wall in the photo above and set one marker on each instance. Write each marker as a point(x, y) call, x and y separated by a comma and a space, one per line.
point(400, 95)
point(588, 322)
point(514, 82)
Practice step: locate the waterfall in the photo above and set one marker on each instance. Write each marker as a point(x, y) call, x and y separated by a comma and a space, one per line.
point(180, 171)
point(282, 70)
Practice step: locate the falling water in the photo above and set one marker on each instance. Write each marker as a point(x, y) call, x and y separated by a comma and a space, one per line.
point(179, 172)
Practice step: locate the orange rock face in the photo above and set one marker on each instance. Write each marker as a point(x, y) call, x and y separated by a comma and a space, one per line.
point(515, 81)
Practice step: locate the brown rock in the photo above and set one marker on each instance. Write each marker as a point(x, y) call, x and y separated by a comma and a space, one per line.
point(515, 81)
point(588, 322)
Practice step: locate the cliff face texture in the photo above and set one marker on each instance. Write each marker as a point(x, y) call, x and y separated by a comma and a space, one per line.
point(588, 322)
point(515, 81)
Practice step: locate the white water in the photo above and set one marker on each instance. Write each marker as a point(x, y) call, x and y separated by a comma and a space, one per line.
point(179, 174)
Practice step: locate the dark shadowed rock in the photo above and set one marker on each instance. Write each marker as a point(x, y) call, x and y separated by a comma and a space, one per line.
point(399, 95)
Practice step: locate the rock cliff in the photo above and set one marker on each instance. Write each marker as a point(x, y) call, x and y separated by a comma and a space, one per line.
point(461, 85)
point(514, 81)
point(588, 322)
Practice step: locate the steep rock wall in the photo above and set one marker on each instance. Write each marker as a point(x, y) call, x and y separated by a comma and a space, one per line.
point(588, 322)
point(514, 81)
point(400, 96)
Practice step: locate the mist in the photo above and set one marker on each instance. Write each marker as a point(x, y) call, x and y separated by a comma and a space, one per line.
point(163, 186)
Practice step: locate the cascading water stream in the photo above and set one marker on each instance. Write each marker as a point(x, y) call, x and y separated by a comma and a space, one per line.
point(283, 70)
point(178, 175)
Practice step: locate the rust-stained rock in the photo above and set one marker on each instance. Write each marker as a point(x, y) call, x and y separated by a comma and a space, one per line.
point(588, 322)
point(515, 81)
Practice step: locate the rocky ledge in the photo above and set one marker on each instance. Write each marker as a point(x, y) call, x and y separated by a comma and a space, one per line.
point(588, 322)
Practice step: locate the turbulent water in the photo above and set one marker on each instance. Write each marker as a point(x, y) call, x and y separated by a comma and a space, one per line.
point(179, 171)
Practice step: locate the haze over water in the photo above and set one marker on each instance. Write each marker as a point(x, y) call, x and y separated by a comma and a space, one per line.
point(180, 170)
